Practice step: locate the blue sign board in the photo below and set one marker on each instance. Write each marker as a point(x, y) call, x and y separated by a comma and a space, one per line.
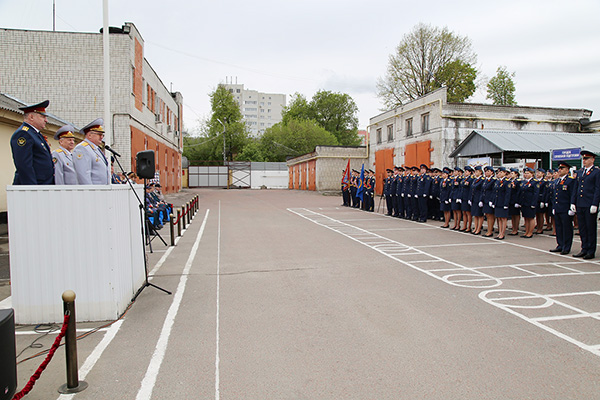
point(566, 154)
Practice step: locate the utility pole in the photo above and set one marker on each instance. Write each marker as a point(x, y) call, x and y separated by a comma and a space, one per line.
point(223, 133)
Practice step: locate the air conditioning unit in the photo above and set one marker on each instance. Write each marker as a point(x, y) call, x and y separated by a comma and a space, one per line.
point(169, 129)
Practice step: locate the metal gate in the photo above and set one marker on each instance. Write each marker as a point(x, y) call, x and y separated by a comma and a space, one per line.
point(240, 174)
point(234, 174)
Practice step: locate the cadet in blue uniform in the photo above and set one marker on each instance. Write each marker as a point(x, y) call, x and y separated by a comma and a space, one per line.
point(584, 201)
point(528, 197)
point(434, 207)
point(487, 197)
point(563, 216)
point(91, 164)
point(445, 188)
point(465, 205)
point(551, 182)
point(64, 170)
point(345, 189)
point(514, 212)
point(476, 202)
point(387, 192)
point(456, 196)
point(400, 178)
point(354, 188)
point(500, 202)
point(422, 189)
point(540, 207)
point(30, 150)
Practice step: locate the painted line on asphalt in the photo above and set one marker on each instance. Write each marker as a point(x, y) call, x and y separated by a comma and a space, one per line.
point(217, 358)
point(147, 385)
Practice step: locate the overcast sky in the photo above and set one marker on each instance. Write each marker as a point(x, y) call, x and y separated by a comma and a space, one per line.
point(281, 46)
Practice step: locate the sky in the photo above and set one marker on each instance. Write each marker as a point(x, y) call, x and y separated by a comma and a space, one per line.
point(282, 46)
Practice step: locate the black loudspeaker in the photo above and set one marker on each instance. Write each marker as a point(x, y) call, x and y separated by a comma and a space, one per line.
point(8, 355)
point(144, 161)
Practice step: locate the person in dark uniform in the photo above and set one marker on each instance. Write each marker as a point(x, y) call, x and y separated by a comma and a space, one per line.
point(540, 207)
point(551, 176)
point(353, 189)
point(514, 212)
point(400, 199)
point(370, 191)
point(422, 190)
point(465, 205)
point(500, 202)
point(396, 191)
point(476, 200)
point(456, 196)
point(345, 189)
point(584, 202)
point(563, 216)
point(445, 188)
point(487, 197)
point(408, 193)
point(30, 149)
point(434, 205)
point(387, 192)
point(528, 197)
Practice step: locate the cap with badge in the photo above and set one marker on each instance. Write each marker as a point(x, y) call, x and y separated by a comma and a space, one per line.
point(513, 169)
point(424, 166)
point(96, 126)
point(488, 168)
point(446, 170)
point(563, 164)
point(65, 131)
point(39, 108)
point(585, 153)
point(478, 168)
point(469, 168)
point(501, 168)
point(529, 169)
point(542, 170)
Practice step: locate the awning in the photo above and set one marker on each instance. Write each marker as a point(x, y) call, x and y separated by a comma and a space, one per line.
point(484, 142)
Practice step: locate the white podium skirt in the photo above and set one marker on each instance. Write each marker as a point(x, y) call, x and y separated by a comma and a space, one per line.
point(84, 238)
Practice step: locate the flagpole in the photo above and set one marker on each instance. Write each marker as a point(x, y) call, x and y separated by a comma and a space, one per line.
point(107, 116)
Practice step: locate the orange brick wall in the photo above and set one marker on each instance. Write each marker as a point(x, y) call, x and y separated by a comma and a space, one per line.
point(137, 77)
point(167, 160)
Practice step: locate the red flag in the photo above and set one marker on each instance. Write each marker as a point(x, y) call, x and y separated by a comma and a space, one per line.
point(346, 177)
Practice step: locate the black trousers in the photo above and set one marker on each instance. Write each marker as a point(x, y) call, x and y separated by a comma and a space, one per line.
point(389, 203)
point(588, 223)
point(422, 201)
point(564, 231)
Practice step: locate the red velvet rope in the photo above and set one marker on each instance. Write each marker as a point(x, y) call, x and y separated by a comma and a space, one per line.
point(45, 363)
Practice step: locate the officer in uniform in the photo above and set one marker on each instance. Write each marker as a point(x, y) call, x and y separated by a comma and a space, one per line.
point(476, 199)
point(345, 189)
point(64, 171)
point(387, 192)
point(514, 212)
point(527, 200)
point(91, 164)
point(584, 202)
point(399, 199)
point(540, 207)
point(466, 202)
point(487, 197)
point(30, 150)
point(422, 191)
point(563, 216)
point(445, 199)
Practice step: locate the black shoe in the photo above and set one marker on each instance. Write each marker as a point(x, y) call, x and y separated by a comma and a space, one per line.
point(564, 252)
point(556, 250)
point(589, 256)
point(580, 254)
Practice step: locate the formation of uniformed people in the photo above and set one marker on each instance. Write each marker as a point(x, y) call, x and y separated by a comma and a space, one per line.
point(550, 200)
point(36, 164)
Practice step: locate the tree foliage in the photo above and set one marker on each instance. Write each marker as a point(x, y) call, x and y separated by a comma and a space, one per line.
point(225, 122)
point(291, 138)
point(334, 112)
point(501, 88)
point(425, 55)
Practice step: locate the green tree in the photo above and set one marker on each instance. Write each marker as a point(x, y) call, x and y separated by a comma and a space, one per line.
point(294, 138)
point(226, 123)
point(335, 112)
point(422, 57)
point(501, 88)
point(459, 77)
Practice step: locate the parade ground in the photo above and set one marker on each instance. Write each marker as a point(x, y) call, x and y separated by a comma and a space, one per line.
point(282, 294)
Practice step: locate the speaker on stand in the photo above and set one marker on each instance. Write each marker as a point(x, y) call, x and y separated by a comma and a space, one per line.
point(8, 355)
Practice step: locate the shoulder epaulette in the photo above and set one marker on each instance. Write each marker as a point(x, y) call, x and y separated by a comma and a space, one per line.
point(25, 128)
point(85, 144)
point(59, 150)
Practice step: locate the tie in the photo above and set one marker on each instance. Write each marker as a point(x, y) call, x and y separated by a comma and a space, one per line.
point(103, 156)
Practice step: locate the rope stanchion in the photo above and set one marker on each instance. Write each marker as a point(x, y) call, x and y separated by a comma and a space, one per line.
point(178, 223)
point(189, 215)
point(183, 216)
point(46, 361)
point(172, 226)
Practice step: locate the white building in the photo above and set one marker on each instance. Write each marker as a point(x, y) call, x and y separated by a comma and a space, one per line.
point(67, 68)
point(260, 110)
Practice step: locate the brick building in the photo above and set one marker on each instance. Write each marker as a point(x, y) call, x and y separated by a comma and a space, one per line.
point(67, 69)
point(428, 129)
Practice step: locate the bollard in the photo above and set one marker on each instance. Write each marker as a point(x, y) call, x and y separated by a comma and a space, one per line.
point(73, 385)
point(178, 223)
point(172, 231)
point(183, 215)
point(189, 214)
point(196, 202)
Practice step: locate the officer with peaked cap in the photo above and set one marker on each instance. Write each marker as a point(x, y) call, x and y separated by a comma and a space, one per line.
point(30, 150)
point(584, 202)
point(563, 216)
point(91, 164)
point(64, 170)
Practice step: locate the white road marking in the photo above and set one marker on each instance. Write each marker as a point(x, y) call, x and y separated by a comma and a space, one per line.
point(147, 385)
point(217, 359)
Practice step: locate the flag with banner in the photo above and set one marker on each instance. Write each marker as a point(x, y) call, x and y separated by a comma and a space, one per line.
point(361, 184)
point(346, 177)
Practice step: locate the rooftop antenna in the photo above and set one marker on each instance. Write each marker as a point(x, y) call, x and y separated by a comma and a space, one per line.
point(53, 15)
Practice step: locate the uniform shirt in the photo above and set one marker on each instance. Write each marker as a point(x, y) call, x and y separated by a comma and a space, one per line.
point(64, 171)
point(587, 188)
point(563, 191)
point(528, 193)
point(32, 158)
point(91, 165)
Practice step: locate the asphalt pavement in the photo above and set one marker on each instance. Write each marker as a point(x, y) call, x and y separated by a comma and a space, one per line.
point(287, 295)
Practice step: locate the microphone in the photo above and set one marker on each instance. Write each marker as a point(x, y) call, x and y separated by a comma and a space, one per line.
point(107, 147)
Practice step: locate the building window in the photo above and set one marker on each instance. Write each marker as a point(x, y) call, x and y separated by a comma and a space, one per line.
point(425, 122)
point(378, 135)
point(409, 131)
point(390, 130)
point(237, 90)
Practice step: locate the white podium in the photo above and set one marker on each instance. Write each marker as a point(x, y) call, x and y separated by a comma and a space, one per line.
point(85, 238)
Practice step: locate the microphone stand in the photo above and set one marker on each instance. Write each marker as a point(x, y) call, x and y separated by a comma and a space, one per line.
point(143, 218)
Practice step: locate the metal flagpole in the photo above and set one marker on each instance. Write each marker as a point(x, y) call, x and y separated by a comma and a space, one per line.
point(107, 116)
